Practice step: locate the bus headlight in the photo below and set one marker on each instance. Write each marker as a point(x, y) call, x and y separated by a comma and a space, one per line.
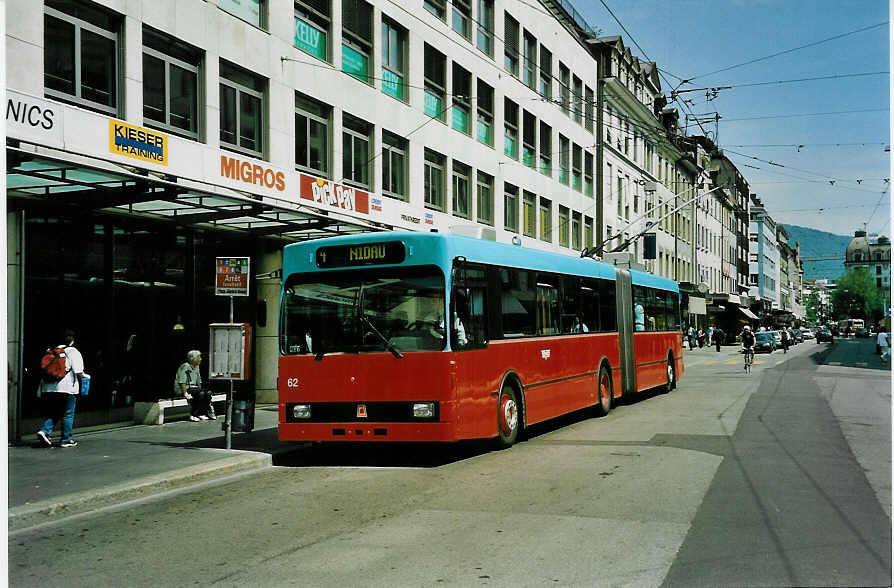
point(301, 411)
point(423, 410)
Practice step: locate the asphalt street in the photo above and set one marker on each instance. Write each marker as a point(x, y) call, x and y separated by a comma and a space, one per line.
point(777, 478)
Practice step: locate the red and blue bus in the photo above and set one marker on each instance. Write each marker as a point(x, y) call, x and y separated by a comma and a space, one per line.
point(437, 337)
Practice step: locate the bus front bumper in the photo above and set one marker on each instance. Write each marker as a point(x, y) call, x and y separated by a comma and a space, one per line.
point(361, 431)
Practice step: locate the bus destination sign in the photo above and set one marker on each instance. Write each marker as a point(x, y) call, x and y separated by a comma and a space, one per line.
point(360, 255)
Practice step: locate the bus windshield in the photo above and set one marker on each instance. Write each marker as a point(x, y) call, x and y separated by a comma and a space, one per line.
point(399, 309)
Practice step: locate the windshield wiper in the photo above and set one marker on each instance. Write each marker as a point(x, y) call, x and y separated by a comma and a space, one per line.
point(363, 319)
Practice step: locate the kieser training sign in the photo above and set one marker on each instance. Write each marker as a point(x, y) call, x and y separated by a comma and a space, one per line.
point(137, 142)
point(232, 276)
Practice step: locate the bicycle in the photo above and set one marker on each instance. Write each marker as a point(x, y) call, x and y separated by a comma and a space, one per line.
point(749, 359)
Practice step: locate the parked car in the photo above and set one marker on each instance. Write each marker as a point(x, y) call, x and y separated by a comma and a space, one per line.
point(764, 342)
point(807, 333)
point(778, 336)
point(797, 336)
point(823, 335)
point(862, 332)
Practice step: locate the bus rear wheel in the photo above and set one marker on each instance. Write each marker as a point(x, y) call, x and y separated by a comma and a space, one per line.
point(671, 376)
point(507, 417)
point(605, 393)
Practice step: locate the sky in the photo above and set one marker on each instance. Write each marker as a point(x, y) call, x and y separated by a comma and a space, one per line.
point(828, 171)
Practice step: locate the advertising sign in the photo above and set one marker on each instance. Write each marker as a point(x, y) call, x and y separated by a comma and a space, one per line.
point(232, 276)
point(137, 142)
point(33, 119)
point(310, 39)
point(331, 195)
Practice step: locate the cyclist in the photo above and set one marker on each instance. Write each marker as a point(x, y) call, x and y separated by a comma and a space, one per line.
point(748, 345)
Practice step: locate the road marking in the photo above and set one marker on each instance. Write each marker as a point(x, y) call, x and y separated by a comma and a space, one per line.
point(710, 362)
point(860, 364)
point(780, 361)
point(731, 361)
point(834, 363)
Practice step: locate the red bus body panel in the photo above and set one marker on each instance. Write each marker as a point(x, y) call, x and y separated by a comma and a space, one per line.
point(650, 357)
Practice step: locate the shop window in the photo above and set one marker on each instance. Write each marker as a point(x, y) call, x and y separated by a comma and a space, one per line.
point(461, 189)
point(394, 166)
point(251, 11)
point(436, 7)
point(529, 214)
point(170, 84)
point(546, 220)
point(529, 65)
point(312, 130)
point(394, 60)
point(241, 110)
point(510, 208)
point(546, 139)
point(313, 23)
point(356, 138)
point(529, 139)
point(462, 100)
point(462, 18)
point(564, 228)
point(485, 114)
point(546, 73)
point(81, 55)
point(485, 198)
point(486, 27)
point(511, 45)
point(564, 159)
point(435, 83)
point(510, 130)
point(434, 180)
point(357, 38)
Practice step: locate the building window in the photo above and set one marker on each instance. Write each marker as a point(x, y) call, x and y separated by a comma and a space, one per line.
point(461, 194)
point(564, 159)
point(462, 17)
point(485, 131)
point(529, 214)
point(394, 166)
point(251, 11)
point(529, 138)
point(241, 110)
point(485, 40)
point(355, 140)
point(313, 19)
point(81, 55)
point(357, 38)
point(510, 131)
point(546, 220)
point(462, 100)
point(588, 108)
point(609, 123)
point(529, 65)
point(394, 60)
point(564, 87)
point(485, 200)
point(170, 85)
point(312, 135)
point(436, 7)
point(619, 194)
point(435, 83)
point(510, 207)
point(588, 173)
point(576, 165)
point(588, 232)
point(434, 180)
point(563, 226)
point(578, 97)
point(575, 231)
point(546, 139)
point(546, 73)
point(511, 46)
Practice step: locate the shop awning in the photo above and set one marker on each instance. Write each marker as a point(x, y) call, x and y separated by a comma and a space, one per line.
point(748, 313)
point(49, 180)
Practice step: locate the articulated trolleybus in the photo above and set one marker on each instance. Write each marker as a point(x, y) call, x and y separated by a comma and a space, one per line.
point(435, 337)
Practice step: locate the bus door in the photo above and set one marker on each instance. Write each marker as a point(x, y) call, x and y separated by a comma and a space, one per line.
point(625, 330)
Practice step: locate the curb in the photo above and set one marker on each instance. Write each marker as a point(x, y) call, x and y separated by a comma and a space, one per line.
point(30, 515)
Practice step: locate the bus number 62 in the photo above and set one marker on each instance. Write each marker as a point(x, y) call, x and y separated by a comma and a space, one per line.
point(292, 382)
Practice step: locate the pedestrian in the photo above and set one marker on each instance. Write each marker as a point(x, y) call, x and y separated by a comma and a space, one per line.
point(785, 340)
point(700, 337)
point(883, 343)
point(718, 337)
point(691, 337)
point(60, 384)
point(188, 383)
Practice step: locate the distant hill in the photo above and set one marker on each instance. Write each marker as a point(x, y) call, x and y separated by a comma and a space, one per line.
point(816, 243)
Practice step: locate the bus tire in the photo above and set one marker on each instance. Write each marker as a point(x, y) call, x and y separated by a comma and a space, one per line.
point(604, 390)
point(508, 417)
point(671, 374)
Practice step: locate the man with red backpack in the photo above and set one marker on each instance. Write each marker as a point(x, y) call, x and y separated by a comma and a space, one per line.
point(62, 368)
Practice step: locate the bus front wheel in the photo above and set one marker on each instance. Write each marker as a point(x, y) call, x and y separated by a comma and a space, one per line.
point(671, 375)
point(507, 417)
point(605, 393)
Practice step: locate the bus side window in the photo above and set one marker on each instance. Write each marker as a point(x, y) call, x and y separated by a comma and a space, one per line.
point(469, 308)
point(608, 317)
point(589, 304)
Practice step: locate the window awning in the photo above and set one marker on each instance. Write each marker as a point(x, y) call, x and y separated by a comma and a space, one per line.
point(50, 181)
point(749, 314)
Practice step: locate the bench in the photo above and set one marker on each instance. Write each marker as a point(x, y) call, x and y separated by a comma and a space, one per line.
point(153, 413)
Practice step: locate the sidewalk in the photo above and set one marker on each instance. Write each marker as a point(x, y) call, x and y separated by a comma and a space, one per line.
point(115, 465)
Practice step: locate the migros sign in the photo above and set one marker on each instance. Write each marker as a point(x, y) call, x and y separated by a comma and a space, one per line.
point(252, 173)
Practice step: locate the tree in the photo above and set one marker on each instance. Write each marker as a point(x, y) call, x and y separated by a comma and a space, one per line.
point(812, 307)
point(856, 295)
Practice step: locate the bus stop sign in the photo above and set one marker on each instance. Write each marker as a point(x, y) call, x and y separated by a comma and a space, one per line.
point(232, 276)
